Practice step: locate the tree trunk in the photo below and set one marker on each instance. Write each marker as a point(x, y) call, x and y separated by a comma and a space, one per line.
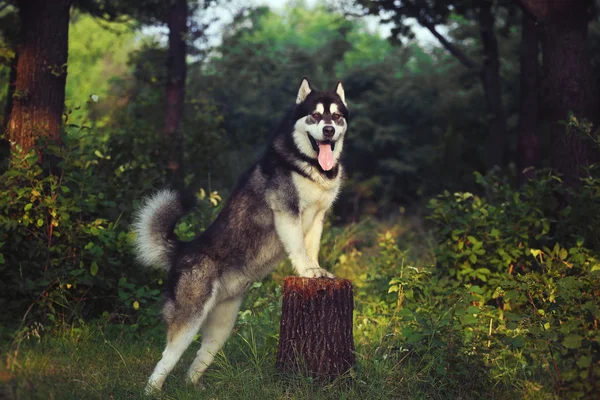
point(315, 336)
point(490, 77)
point(572, 86)
point(176, 76)
point(39, 96)
point(528, 150)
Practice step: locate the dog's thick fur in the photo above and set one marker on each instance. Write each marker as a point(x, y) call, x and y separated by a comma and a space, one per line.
point(277, 208)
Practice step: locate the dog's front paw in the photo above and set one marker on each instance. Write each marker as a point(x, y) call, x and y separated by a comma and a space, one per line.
point(152, 389)
point(316, 272)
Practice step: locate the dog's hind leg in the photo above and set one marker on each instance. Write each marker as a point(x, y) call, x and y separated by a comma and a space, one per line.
point(184, 319)
point(215, 331)
point(178, 341)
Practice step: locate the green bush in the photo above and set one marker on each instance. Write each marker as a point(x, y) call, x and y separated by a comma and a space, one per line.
point(63, 247)
point(521, 259)
point(65, 237)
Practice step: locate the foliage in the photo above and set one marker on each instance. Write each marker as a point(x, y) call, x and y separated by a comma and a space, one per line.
point(65, 247)
point(409, 135)
point(508, 309)
point(482, 240)
point(98, 53)
point(523, 259)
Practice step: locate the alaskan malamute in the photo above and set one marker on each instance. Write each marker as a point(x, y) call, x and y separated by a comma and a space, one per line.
point(276, 209)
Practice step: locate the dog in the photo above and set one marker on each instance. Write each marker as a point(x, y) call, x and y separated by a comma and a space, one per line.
point(276, 209)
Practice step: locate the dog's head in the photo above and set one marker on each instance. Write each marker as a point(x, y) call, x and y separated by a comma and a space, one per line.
point(321, 123)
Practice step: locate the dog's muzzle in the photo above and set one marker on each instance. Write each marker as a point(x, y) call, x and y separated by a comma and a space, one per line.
point(315, 144)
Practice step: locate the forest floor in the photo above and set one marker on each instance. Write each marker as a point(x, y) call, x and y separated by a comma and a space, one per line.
point(113, 362)
point(102, 359)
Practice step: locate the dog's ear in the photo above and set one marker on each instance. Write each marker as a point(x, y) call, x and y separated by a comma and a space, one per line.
point(339, 89)
point(304, 90)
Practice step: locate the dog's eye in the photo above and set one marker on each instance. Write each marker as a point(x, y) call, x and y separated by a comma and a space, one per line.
point(336, 116)
point(316, 115)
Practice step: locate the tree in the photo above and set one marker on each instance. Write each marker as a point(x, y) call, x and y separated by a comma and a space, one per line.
point(39, 95)
point(176, 75)
point(528, 147)
point(429, 14)
point(571, 84)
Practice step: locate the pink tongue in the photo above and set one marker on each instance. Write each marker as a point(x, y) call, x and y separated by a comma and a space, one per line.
point(325, 156)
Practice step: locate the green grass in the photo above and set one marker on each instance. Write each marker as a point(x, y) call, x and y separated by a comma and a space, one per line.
point(105, 360)
point(90, 364)
point(113, 362)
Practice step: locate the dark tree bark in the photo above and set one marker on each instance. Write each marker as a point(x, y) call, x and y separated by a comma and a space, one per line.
point(528, 150)
point(315, 336)
point(176, 76)
point(490, 78)
point(572, 86)
point(39, 96)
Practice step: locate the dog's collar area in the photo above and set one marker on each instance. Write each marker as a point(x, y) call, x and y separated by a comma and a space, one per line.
point(315, 145)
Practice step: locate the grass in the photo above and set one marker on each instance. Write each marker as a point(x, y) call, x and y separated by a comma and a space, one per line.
point(108, 361)
point(102, 360)
point(91, 364)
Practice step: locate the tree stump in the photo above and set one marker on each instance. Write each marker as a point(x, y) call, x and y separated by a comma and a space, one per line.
point(315, 335)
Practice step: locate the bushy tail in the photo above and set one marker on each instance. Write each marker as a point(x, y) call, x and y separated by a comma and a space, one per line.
point(154, 223)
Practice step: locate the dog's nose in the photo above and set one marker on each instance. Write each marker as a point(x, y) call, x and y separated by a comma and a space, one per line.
point(328, 131)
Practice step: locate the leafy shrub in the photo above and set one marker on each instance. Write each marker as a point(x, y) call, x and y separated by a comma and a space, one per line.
point(481, 240)
point(553, 315)
point(522, 257)
point(65, 235)
point(63, 254)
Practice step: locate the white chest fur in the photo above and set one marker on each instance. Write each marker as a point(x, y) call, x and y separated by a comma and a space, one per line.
point(315, 197)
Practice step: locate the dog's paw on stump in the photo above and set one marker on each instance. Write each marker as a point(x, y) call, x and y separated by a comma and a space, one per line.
point(315, 335)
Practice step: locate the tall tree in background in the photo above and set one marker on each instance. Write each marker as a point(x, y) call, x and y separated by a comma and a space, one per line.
point(490, 79)
point(528, 148)
point(571, 84)
point(431, 13)
point(39, 93)
point(175, 95)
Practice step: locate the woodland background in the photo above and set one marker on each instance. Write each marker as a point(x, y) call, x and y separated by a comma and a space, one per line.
point(469, 221)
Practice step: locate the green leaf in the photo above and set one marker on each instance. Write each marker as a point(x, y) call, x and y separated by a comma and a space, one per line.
point(584, 361)
point(535, 252)
point(476, 289)
point(563, 254)
point(28, 207)
point(469, 319)
point(94, 269)
point(65, 189)
point(473, 310)
point(40, 222)
point(473, 240)
point(556, 249)
point(547, 325)
point(572, 341)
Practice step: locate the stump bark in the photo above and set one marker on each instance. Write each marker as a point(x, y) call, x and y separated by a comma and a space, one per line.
point(315, 335)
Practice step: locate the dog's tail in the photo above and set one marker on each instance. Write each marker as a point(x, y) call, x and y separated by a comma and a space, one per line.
point(154, 223)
